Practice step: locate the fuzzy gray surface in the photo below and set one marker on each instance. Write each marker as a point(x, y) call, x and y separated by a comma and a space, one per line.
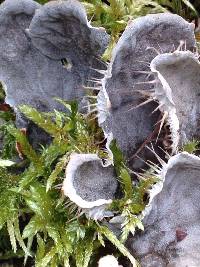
point(181, 71)
point(132, 54)
point(33, 41)
point(92, 181)
point(172, 230)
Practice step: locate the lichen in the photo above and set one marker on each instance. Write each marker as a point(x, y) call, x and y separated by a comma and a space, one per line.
point(129, 81)
point(34, 40)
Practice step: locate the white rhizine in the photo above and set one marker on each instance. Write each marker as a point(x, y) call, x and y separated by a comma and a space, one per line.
point(103, 105)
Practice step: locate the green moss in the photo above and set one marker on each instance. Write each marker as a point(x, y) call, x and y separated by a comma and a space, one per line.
point(63, 236)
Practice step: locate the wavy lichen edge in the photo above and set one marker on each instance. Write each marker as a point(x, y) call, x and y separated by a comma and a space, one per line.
point(76, 160)
point(164, 93)
point(183, 157)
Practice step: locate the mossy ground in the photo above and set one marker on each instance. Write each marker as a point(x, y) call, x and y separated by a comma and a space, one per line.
point(38, 225)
